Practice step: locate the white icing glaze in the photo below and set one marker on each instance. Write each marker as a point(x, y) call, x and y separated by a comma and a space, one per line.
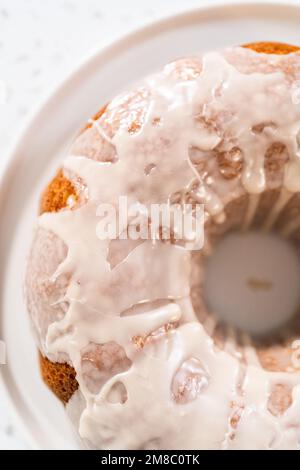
point(215, 110)
point(281, 202)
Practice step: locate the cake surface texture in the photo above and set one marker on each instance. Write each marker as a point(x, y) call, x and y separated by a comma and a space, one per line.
point(125, 339)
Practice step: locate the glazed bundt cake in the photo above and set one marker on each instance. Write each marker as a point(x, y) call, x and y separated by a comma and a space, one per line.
point(125, 338)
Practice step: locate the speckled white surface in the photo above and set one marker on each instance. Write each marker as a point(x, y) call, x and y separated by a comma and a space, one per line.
point(40, 43)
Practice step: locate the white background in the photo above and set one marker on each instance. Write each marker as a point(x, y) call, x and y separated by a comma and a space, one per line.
point(40, 43)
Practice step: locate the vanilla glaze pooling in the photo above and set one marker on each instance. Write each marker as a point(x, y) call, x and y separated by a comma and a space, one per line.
point(170, 386)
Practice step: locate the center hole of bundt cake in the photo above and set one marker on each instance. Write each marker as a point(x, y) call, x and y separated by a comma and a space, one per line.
point(252, 281)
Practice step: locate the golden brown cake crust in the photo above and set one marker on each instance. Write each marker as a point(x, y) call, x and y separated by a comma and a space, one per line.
point(94, 118)
point(57, 193)
point(60, 378)
point(272, 48)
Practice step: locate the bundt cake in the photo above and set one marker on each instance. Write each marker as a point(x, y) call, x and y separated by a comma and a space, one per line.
point(125, 338)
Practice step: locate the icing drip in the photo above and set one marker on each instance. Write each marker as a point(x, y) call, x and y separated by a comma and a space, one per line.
point(281, 202)
point(251, 210)
point(171, 382)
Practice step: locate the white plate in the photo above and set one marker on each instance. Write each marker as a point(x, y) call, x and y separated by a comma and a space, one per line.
point(35, 158)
